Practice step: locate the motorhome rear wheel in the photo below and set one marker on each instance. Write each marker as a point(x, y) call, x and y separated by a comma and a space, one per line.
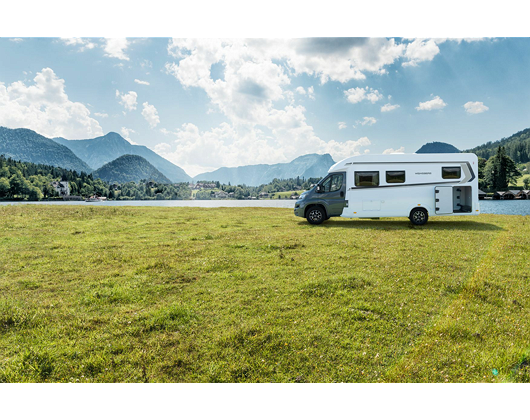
point(419, 217)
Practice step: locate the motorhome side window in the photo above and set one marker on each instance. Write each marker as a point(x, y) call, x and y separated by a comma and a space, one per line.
point(332, 183)
point(366, 179)
point(395, 177)
point(451, 172)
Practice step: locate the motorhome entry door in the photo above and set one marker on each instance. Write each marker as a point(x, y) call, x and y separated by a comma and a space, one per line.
point(444, 200)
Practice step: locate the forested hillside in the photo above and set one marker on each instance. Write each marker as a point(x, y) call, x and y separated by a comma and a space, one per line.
point(24, 180)
point(517, 147)
point(437, 147)
point(28, 146)
point(129, 168)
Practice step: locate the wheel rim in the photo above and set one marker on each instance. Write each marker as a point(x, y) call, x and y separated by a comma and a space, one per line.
point(418, 216)
point(315, 215)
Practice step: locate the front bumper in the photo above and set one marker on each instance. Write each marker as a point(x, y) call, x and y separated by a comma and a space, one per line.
point(299, 209)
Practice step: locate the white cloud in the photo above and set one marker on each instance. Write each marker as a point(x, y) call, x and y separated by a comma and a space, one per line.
point(436, 103)
point(389, 107)
point(101, 114)
point(422, 49)
point(368, 121)
point(256, 76)
point(128, 100)
point(126, 133)
point(45, 108)
point(475, 107)
point(141, 82)
point(150, 114)
point(115, 48)
point(342, 125)
point(82, 43)
point(355, 95)
point(390, 151)
point(16, 40)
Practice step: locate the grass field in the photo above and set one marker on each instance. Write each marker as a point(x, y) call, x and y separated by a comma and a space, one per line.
point(104, 294)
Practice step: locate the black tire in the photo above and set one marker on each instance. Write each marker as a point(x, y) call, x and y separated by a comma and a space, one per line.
point(315, 215)
point(419, 216)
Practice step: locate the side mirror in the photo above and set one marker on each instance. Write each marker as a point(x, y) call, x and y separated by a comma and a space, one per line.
point(319, 188)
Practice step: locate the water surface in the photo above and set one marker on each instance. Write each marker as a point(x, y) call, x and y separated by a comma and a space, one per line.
point(515, 207)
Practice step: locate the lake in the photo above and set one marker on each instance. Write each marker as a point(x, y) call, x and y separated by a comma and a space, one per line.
point(516, 207)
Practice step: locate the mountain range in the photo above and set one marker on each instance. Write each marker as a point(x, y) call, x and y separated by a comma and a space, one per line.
point(86, 155)
point(28, 146)
point(101, 150)
point(307, 166)
point(101, 157)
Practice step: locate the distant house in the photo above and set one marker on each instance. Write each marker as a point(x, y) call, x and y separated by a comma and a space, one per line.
point(62, 188)
point(481, 195)
point(221, 194)
point(505, 195)
point(202, 186)
point(231, 195)
point(263, 195)
point(523, 195)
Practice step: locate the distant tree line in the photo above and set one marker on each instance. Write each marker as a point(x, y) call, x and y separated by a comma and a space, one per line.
point(243, 191)
point(30, 181)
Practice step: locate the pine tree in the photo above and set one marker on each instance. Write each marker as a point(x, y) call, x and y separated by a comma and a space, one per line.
point(500, 170)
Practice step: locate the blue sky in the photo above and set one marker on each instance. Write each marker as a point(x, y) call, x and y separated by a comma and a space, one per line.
point(206, 103)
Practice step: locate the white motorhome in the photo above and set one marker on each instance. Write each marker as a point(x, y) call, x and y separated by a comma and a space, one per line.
point(395, 185)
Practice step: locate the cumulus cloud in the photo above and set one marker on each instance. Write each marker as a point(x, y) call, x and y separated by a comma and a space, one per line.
point(355, 95)
point(150, 114)
point(389, 107)
point(126, 134)
point(141, 82)
point(256, 76)
point(115, 48)
point(101, 114)
point(128, 100)
point(342, 125)
point(368, 121)
point(475, 107)
point(82, 43)
point(45, 108)
point(435, 103)
point(421, 49)
point(390, 151)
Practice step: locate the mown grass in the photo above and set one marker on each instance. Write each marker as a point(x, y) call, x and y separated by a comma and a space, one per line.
point(103, 294)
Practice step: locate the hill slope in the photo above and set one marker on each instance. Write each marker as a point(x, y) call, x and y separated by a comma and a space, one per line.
point(130, 168)
point(437, 147)
point(28, 146)
point(101, 150)
point(517, 147)
point(306, 166)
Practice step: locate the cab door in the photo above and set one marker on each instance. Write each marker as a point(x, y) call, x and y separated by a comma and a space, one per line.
point(332, 190)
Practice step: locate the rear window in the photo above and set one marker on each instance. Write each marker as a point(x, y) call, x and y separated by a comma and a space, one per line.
point(395, 177)
point(451, 172)
point(366, 179)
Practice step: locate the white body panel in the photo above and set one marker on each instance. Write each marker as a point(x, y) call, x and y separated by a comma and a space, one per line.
point(423, 177)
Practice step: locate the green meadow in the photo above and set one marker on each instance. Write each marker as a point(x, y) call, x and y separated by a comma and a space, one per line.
point(130, 294)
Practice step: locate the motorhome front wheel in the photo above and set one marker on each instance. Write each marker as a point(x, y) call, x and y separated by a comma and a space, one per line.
point(315, 216)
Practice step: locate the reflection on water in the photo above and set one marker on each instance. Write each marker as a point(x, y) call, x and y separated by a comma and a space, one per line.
point(518, 207)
